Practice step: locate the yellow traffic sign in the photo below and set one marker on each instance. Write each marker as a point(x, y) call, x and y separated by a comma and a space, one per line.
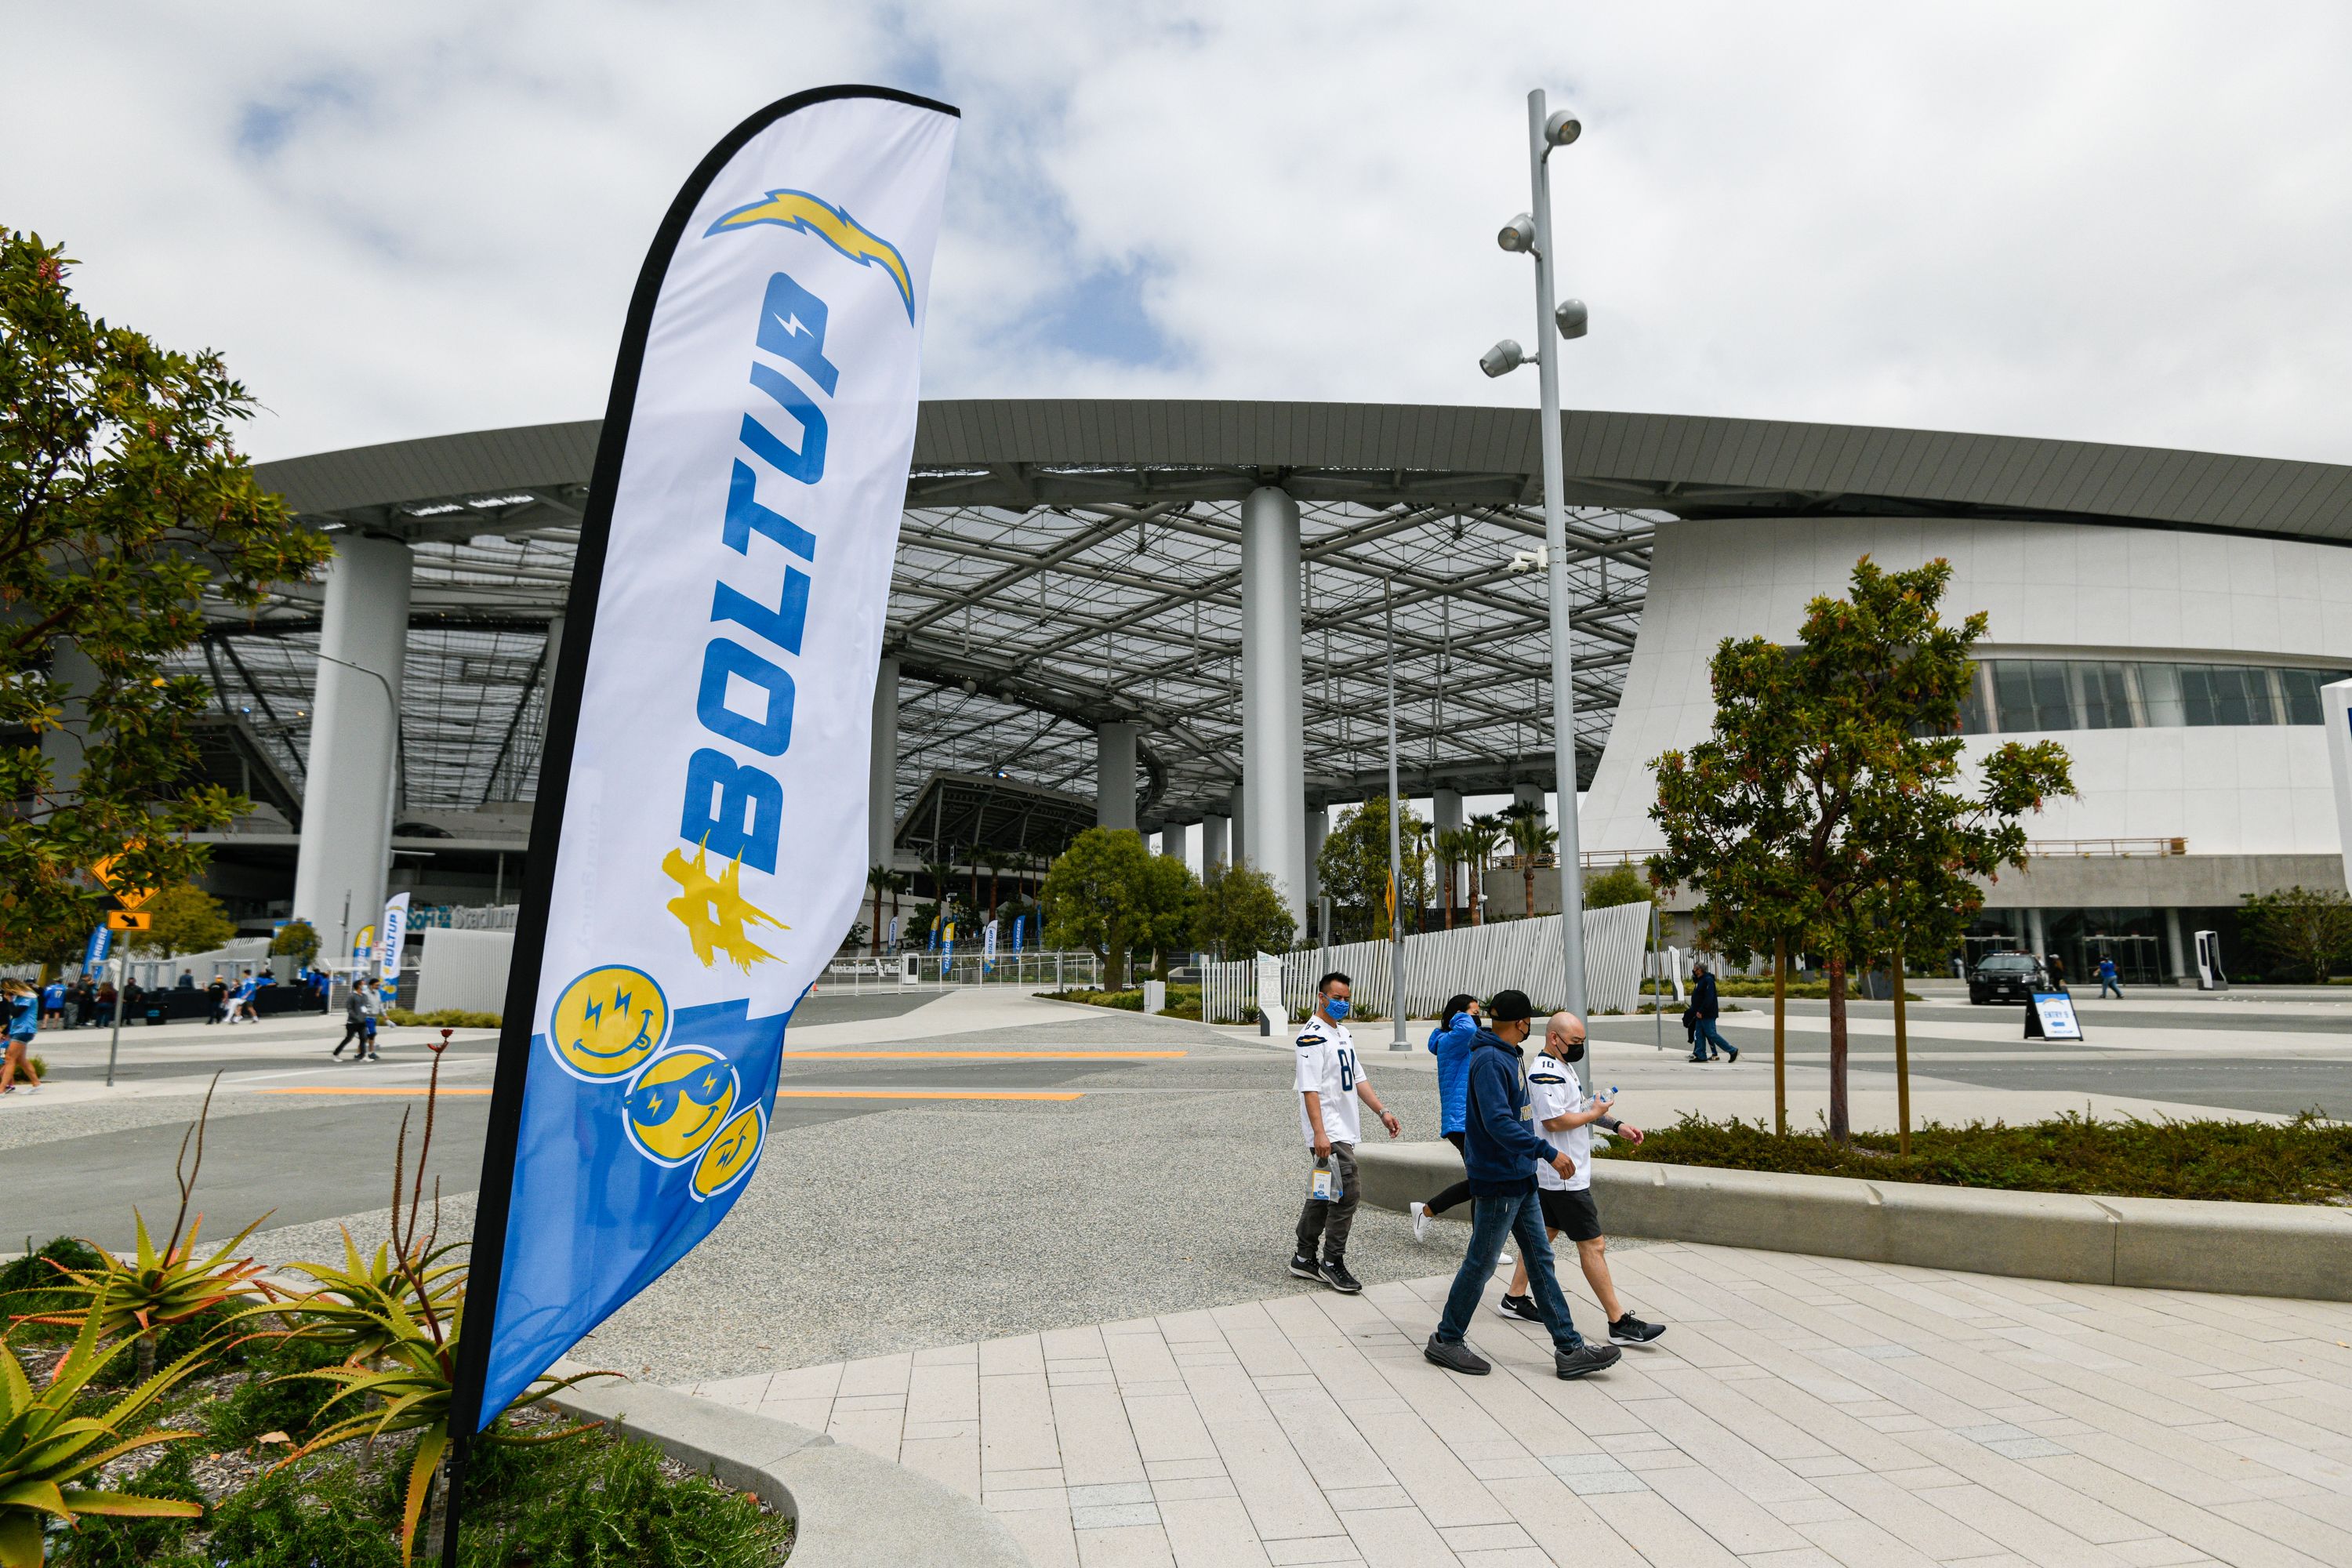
point(130, 919)
point(129, 898)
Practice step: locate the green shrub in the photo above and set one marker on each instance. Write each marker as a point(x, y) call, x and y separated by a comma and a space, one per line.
point(2306, 1161)
point(307, 1517)
point(107, 1543)
point(444, 1019)
point(604, 1502)
point(269, 1401)
point(1184, 1001)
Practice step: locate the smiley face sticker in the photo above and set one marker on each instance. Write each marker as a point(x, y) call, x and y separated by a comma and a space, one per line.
point(677, 1103)
point(731, 1154)
point(607, 1022)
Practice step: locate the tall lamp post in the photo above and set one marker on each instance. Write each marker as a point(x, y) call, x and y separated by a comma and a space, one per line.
point(1529, 233)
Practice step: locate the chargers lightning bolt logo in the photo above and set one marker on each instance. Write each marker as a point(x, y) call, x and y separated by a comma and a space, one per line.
point(832, 225)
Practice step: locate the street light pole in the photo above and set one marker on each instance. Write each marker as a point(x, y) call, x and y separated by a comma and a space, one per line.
point(1563, 689)
point(1396, 838)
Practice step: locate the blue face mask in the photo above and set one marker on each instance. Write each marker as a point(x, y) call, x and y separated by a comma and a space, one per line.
point(1337, 1006)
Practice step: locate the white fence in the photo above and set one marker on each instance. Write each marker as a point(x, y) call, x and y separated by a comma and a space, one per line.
point(932, 971)
point(1524, 954)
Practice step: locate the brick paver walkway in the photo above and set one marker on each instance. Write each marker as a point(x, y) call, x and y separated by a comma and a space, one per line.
point(1800, 1411)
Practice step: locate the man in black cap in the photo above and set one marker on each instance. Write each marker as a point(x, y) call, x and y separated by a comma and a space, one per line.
point(1501, 1150)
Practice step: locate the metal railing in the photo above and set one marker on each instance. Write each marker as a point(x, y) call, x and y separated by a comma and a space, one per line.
point(2106, 849)
point(862, 973)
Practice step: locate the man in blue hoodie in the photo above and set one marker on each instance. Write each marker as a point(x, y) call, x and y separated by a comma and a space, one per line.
point(1501, 1149)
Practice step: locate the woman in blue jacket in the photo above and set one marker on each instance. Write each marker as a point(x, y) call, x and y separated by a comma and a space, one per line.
point(1450, 1043)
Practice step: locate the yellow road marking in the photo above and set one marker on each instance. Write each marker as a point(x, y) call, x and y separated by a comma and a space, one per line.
point(920, 1094)
point(780, 1094)
point(791, 1056)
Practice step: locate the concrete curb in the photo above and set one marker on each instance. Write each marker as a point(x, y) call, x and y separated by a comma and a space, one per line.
point(2158, 1244)
point(850, 1508)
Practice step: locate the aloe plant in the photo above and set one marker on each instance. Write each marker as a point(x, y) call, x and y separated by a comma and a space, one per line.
point(46, 1448)
point(400, 1318)
point(156, 1288)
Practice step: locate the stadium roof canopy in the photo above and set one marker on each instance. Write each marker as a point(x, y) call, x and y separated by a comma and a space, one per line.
point(1067, 563)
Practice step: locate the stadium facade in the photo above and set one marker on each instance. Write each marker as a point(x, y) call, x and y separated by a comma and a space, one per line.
point(1178, 614)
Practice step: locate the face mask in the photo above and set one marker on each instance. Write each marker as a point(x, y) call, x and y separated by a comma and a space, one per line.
point(1336, 1007)
point(1571, 1054)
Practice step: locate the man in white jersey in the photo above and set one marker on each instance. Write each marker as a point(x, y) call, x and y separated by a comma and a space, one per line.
point(1560, 1106)
point(1331, 1081)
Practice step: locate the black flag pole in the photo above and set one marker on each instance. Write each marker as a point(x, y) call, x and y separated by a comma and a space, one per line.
point(494, 1201)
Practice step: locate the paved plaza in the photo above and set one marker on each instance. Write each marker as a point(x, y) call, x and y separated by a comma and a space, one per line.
point(1036, 1250)
point(1800, 1411)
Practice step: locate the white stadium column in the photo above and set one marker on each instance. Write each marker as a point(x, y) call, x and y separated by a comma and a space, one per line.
point(1171, 841)
point(62, 749)
point(1241, 846)
point(350, 796)
point(1527, 794)
point(1445, 816)
point(1273, 721)
point(1213, 850)
point(1115, 775)
point(882, 769)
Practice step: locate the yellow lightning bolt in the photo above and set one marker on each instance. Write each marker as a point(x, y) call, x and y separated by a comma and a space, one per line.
point(714, 911)
point(832, 225)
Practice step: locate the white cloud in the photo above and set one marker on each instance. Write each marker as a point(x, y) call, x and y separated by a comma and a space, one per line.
point(2118, 222)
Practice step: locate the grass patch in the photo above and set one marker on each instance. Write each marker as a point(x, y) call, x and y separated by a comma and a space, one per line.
point(2306, 1161)
point(1184, 1001)
point(445, 1018)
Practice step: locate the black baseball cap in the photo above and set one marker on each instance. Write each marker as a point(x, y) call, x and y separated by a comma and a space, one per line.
point(1510, 1006)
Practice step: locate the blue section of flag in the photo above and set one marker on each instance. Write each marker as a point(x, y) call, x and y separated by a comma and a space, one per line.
point(594, 1220)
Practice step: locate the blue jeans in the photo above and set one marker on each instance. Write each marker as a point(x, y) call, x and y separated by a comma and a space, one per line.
point(1491, 1219)
point(1707, 1040)
point(2106, 985)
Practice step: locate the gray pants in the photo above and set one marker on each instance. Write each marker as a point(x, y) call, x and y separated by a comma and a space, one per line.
point(1331, 1221)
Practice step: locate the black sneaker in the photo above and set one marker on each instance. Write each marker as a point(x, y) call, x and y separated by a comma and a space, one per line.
point(1733, 1049)
point(1522, 1308)
point(1630, 1330)
point(1303, 1267)
point(1334, 1274)
point(1455, 1357)
point(1584, 1361)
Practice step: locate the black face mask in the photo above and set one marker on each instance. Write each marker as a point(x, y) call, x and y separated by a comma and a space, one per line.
point(1571, 1054)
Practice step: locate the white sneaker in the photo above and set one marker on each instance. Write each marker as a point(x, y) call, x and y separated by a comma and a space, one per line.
point(1420, 1222)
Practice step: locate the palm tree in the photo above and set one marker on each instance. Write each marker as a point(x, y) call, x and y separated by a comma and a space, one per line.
point(1454, 850)
point(898, 884)
point(1530, 836)
point(1483, 835)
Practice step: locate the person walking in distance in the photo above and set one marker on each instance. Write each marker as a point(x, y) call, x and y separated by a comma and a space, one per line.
point(1707, 1039)
point(1501, 1150)
point(23, 1022)
point(354, 1021)
point(1331, 1081)
point(2107, 979)
point(1567, 1115)
point(1450, 1043)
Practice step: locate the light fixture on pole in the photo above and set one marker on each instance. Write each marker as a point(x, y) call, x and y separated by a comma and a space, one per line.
point(1529, 233)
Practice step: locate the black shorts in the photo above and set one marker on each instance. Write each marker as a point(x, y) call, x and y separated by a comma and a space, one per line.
point(1573, 1214)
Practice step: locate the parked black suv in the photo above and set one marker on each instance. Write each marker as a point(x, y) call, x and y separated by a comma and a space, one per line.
point(2006, 977)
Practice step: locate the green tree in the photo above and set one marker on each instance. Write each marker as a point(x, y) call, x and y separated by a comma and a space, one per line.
point(1824, 806)
point(1098, 896)
point(298, 940)
point(2308, 930)
point(124, 509)
point(1241, 914)
point(1354, 869)
point(1170, 896)
point(1618, 885)
point(1482, 835)
point(186, 918)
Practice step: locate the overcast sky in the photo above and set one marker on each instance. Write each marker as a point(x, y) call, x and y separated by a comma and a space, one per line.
point(2123, 222)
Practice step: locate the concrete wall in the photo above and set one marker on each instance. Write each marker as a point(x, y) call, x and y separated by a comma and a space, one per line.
point(2050, 589)
point(464, 969)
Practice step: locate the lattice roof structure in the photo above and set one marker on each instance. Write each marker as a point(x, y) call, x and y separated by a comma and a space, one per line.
point(1065, 563)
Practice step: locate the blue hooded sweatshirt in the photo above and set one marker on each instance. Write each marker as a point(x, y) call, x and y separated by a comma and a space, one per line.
point(1450, 1043)
point(1502, 1145)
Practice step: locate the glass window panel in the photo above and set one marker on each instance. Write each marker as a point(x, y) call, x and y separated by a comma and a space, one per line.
point(1974, 718)
point(2245, 694)
point(2299, 693)
point(2013, 689)
point(2053, 705)
point(2106, 694)
point(2200, 695)
point(2160, 695)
